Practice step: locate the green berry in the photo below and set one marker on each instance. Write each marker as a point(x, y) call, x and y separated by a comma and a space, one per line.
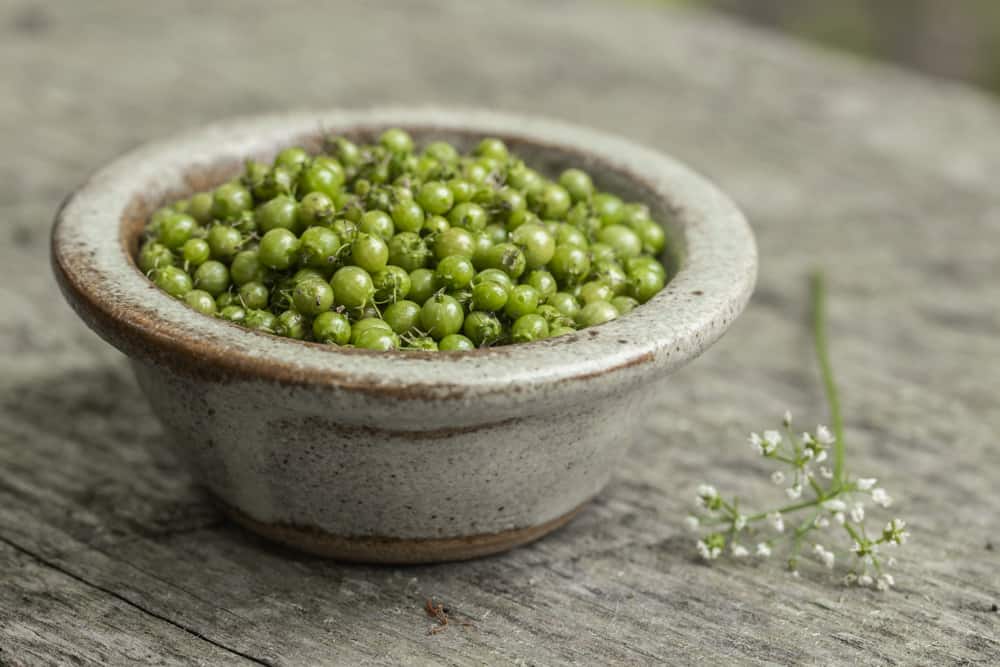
point(528, 328)
point(201, 301)
point(352, 287)
point(455, 343)
point(441, 315)
point(278, 249)
point(331, 327)
point(172, 280)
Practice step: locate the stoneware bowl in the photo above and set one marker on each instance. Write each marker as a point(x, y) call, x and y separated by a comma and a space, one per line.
point(400, 457)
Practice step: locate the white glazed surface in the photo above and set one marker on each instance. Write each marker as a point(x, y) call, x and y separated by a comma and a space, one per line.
point(402, 445)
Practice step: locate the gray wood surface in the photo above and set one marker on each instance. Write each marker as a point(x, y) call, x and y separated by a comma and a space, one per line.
point(109, 554)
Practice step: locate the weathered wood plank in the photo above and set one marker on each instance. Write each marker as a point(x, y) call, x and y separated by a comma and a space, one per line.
point(109, 554)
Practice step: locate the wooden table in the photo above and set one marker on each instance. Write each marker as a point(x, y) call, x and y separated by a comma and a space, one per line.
point(109, 554)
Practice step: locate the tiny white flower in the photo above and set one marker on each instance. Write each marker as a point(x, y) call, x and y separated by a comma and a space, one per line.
point(890, 561)
point(777, 521)
point(740, 551)
point(807, 438)
point(703, 550)
point(881, 497)
point(884, 582)
point(778, 477)
point(840, 518)
point(821, 456)
point(795, 573)
point(835, 505)
point(866, 483)
point(706, 495)
point(763, 550)
point(827, 557)
point(787, 421)
point(858, 513)
point(772, 438)
point(865, 580)
point(808, 454)
point(895, 532)
point(740, 522)
point(826, 472)
point(756, 443)
point(692, 522)
point(824, 436)
point(794, 492)
point(821, 522)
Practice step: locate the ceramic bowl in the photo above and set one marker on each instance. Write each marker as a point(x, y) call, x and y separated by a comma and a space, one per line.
point(400, 457)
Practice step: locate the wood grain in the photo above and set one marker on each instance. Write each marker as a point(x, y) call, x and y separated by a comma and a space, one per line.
point(111, 556)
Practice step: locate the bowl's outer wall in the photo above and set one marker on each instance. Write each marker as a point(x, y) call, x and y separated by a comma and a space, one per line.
point(282, 458)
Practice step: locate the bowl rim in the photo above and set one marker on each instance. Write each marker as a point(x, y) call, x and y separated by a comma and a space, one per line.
point(99, 278)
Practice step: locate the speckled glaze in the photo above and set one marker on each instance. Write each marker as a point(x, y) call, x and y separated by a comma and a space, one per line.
point(405, 456)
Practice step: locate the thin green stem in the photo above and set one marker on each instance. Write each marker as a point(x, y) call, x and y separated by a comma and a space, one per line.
point(823, 356)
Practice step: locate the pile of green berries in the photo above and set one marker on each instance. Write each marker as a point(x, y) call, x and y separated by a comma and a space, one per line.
point(385, 247)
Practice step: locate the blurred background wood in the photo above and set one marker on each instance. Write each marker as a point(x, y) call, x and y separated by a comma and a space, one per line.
point(110, 555)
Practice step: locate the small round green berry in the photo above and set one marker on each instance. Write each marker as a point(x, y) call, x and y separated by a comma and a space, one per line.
point(482, 328)
point(279, 181)
point(213, 277)
point(608, 208)
point(402, 316)
point(293, 158)
point(280, 212)
point(391, 284)
point(496, 234)
point(654, 238)
point(494, 148)
point(396, 140)
point(172, 280)
point(377, 223)
point(528, 328)
point(407, 216)
point(423, 285)
point(408, 251)
point(553, 201)
point(321, 177)
point(602, 252)
point(454, 241)
point(595, 291)
point(624, 304)
point(435, 197)
point(455, 272)
point(434, 225)
point(506, 257)
point(352, 287)
point(468, 216)
point(230, 200)
point(494, 276)
point(377, 339)
point(569, 264)
point(278, 248)
point(200, 207)
point(177, 229)
point(577, 183)
point(345, 230)
point(525, 179)
point(291, 324)
point(261, 320)
point(643, 285)
point(565, 303)
point(154, 255)
point(523, 300)
point(319, 248)
point(596, 312)
point(332, 328)
point(461, 190)
point(455, 343)
point(441, 315)
point(537, 244)
point(622, 240)
point(246, 267)
point(442, 151)
point(645, 263)
point(196, 251)
point(201, 301)
point(366, 324)
point(224, 242)
point(254, 295)
point(569, 235)
point(611, 274)
point(425, 343)
point(346, 151)
point(489, 296)
point(369, 252)
point(543, 281)
point(560, 330)
point(312, 297)
point(233, 313)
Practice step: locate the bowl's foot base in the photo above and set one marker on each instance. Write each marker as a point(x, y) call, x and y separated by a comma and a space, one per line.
point(399, 551)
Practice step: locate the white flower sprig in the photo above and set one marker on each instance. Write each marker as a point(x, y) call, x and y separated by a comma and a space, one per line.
point(821, 496)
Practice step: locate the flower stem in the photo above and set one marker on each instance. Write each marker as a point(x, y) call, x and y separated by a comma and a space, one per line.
point(823, 356)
